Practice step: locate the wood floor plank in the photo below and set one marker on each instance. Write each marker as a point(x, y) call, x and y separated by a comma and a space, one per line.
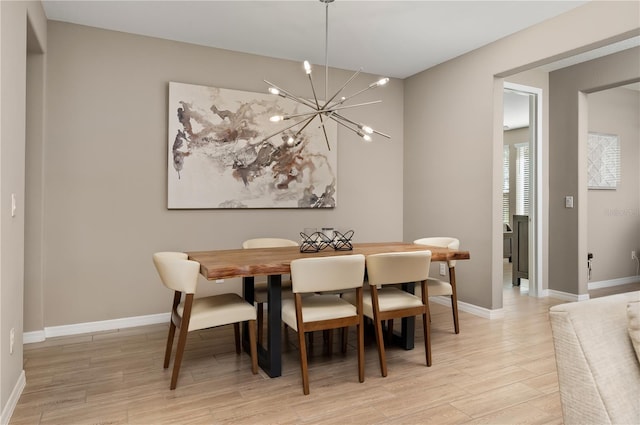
point(493, 372)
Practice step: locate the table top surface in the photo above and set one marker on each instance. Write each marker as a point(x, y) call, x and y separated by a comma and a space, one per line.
point(228, 263)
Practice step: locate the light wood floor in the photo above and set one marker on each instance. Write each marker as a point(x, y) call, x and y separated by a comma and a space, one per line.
point(493, 372)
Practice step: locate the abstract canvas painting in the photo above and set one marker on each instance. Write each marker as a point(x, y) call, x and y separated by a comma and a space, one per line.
point(221, 153)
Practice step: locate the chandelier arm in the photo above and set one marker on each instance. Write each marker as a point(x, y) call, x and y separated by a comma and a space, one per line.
point(313, 90)
point(287, 128)
point(315, 98)
point(291, 96)
point(336, 107)
point(342, 88)
point(359, 125)
point(356, 94)
point(324, 130)
point(382, 134)
point(335, 118)
point(332, 110)
point(302, 114)
point(305, 126)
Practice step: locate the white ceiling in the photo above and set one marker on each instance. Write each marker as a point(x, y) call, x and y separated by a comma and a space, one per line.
point(390, 38)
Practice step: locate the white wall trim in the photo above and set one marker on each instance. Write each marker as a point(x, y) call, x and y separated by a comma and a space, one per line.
point(7, 410)
point(35, 336)
point(485, 313)
point(613, 282)
point(154, 319)
point(104, 325)
point(565, 296)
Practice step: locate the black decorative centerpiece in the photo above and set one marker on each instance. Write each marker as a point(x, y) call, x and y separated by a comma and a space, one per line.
point(342, 241)
point(315, 241)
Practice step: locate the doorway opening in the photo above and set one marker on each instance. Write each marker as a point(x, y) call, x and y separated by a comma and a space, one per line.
point(521, 203)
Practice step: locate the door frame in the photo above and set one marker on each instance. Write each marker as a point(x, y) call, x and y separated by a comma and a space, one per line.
point(535, 189)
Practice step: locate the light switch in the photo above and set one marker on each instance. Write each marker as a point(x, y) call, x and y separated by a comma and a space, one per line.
point(568, 201)
point(13, 205)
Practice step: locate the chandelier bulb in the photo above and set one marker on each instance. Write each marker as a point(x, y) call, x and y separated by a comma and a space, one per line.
point(276, 118)
point(366, 129)
point(274, 90)
point(307, 67)
point(290, 141)
point(366, 137)
point(380, 82)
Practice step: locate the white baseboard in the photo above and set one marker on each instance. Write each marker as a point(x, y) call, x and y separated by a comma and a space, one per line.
point(565, 296)
point(470, 308)
point(35, 336)
point(7, 410)
point(89, 327)
point(613, 282)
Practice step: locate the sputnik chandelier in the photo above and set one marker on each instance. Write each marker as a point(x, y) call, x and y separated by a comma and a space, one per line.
point(330, 109)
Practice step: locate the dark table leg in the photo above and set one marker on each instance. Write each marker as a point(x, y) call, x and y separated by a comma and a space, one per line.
point(249, 296)
point(408, 329)
point(269, 357)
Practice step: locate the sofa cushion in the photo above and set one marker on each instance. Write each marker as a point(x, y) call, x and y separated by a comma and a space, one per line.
point(633, 315)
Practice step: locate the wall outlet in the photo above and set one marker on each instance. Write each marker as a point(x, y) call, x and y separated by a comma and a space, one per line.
point(219, 280)
point(12, 339)
point(634, 256)
point(443, 269)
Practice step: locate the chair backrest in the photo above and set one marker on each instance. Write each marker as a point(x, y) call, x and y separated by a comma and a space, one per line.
point(176, 271)
point(442, 242)
point(327, 273)
point(398, 267)
point(268, 243)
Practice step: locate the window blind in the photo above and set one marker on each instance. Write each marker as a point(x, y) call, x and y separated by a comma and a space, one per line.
point(522, 179)
point(505, 184)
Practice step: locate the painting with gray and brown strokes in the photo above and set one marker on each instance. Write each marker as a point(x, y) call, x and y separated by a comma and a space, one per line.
point(219, 158)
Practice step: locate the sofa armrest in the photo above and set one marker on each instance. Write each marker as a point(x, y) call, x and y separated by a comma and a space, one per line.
point(598, 372)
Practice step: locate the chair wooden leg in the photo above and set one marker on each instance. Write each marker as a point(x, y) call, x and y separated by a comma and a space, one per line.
point(380, 342)
point(390, 330)
point(426, 327)
point(303, 361)
point(177, 295)
point(253, 346)
point(360, 330)
point(182, 340)
point(260, 322)
point(454, 308)
point(236, 334)
point(454, 299)
point(167, 352)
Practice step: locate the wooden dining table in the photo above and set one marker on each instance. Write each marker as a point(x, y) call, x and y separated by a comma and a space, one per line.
point(274, 262)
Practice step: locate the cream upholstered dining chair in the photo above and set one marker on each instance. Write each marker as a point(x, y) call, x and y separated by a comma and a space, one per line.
point(260, 285)
point(384, 301)
point(316, 311)
point(440, 287)
point(181, 275)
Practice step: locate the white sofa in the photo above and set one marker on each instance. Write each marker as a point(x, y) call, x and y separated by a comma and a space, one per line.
point(598, 369)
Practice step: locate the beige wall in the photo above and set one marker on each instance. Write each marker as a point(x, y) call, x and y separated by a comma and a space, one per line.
point(13, 51)
point(105, 168)
point(614, 215)
point(567, 140)
point(453, 137)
